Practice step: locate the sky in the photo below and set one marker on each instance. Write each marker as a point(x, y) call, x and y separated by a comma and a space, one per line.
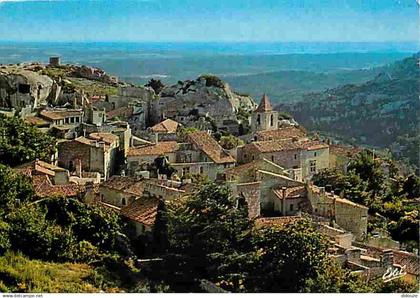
point(209, 20)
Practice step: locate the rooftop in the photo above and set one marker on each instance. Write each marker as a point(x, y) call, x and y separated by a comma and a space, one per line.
point(284, 133)
point(120, 112)
point(166, 126)
point(210, 147)
point(265, 105)
point(285, 145)
point(125, 184)
point(160, 148)
point(291, 192)
point(143, 210)
point(44, 188)
point(106, 137)
point(58, 114)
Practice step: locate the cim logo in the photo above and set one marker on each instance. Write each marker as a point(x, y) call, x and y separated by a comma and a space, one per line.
point(394, 273)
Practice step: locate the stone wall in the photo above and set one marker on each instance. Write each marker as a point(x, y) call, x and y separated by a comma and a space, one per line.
point(251, 192)
point(348, 215)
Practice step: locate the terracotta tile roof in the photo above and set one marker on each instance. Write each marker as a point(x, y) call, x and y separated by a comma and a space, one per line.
point(344, 150)
point(143, 210)
point(243, 168)
point(123, 111)
point(60, 114)
point(276, 221)
point(36, 120)
point(160, 148)
point(125, 184)
point(106, 137)
point(210, 147)
point(38, 167)
point(166, 126)
point(281, 134)
point(265, 105)
point(43, 188)
point(291, 192)
point(285, 145)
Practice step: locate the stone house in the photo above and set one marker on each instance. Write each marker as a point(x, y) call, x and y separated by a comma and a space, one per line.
point(340, 156)
point(97, 153)
point(277, 193)
point(62, 116)
point(201, 154)
point(164, 131)
point(50, 181)
point(303, 157)
point(348, 215)
point(138, 199)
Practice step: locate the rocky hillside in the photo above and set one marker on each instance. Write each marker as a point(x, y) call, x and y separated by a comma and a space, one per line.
point(208, 94)
point(376, 113)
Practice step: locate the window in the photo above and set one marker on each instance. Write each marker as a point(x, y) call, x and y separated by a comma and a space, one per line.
point(272, 158)
point(201, 170)
point(312, 166)
point(102, 197)
point(123, 201)
point(295, 156)
point(272, 120)
point(24, 88)
point(185, 171)
point(291, 207)
point(259, 119)
point(315, 154)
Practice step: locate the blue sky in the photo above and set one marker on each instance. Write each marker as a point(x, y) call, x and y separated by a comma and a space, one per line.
point(210, 20)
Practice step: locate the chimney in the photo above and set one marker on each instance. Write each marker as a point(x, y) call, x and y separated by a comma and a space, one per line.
point(387, 259)
point(84, 132)
point(321, 190)
point(156, 137)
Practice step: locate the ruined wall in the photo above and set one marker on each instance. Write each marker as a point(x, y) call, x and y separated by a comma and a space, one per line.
point(348, 215)
point(251, 192)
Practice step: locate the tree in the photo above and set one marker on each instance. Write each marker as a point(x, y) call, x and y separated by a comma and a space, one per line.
point(156, 85)
point(204, 232)
point(230, 142)
point(411, 187)
point(289, 258)
point(20, 142)
point(14, 189)
point(211, 237)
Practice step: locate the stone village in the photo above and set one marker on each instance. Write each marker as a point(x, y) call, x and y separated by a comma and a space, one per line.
point(130, 150)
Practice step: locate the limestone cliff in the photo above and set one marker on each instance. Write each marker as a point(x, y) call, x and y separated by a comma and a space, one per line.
point(207, 95)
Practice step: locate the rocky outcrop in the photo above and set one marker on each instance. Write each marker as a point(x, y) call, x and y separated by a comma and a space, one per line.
point(92, 73)
point(21, 88)
point(207, 95)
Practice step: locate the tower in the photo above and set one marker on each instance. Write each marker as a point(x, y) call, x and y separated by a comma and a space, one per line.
point(264, 117)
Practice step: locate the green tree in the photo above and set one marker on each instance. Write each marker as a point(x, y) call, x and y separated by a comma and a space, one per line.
point(230, 142)
point(156, 85)
point(20, 142)
point(14, 189)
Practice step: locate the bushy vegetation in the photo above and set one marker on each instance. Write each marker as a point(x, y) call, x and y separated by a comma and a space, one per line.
point(388, 195)
point(156, 85)
point(212, 81)
point(20, 142)
point(229, 142)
